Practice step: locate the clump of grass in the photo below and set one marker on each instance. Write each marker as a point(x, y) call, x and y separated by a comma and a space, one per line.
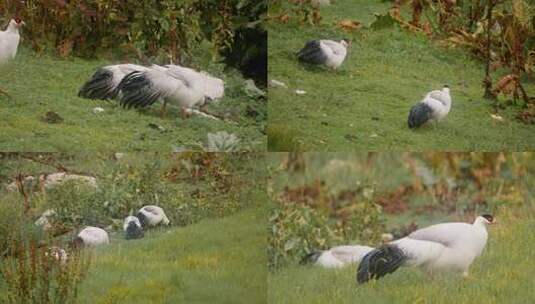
point(36, 275)
point(282, 138)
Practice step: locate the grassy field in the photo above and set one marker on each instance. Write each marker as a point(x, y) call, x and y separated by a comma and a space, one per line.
point(42, 84)
point(503, 274)
point(364, 105)
point(214, 261)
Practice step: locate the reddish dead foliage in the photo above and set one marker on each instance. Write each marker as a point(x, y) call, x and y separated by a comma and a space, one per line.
point(396, 202)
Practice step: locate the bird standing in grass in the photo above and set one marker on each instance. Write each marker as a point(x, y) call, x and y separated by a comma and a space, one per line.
point(132, 228)
point(329, 53)
point(434, 107)
point(9, 42)
point(181, 86)
point(441, 247)
point(91, 236)
point(150, 216)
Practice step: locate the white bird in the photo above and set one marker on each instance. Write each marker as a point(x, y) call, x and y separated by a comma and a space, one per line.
point(132, 228)
point(91, 236)
point(9, 40)
point(337, 257)
point(434, 107)
point(441, 247)
point(325, 52)
point(177, 85)
point(151, 216)
point(105, 81)
point(9, 43)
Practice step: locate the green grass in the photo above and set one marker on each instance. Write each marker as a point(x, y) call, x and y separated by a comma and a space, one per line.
point(214, 261)
point(41, 84)
point(364, 105)
point(502, 274)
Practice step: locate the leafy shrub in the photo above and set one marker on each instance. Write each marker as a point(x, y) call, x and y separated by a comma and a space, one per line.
point(168, 29)
point(304, 224)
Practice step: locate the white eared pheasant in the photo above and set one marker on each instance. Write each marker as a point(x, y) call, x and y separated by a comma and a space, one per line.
point(329, 53)
point(91, 236)
point(434, 107)
point(9, 40)
point(441, 247)
point(9, 43)
point(151, 215)
point(132, 228)
point(105, 81)
point(173, 84)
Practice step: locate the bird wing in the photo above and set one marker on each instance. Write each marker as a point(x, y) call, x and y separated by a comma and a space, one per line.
point(446, 234)
point(153, 209)
point(350, 254)
point(129, 68)
point(211, 87)
point(334, 47)
point(437, 95)
point(419, 252)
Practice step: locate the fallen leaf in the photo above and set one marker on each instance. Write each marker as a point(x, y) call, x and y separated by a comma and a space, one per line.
point(349, 25)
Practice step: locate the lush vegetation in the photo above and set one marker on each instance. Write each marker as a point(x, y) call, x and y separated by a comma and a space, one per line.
point(321, 200)
point(390, 66)
point(191, 187)
point(148, 29)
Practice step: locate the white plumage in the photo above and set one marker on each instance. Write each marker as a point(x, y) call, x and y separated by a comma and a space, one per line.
point(213, 88)
point(151, 216)
point(339, 256)
point(434, 107)
point(442, 247)
point(325, 52)
point(180, 86)
point(9, 40)
point(92, 236)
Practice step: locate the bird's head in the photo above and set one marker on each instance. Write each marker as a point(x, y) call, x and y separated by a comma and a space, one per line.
point(486, 219)
point(16, 23)
point(446, 88)
point(346, 42)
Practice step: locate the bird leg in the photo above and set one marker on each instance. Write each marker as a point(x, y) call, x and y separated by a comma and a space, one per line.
point(184, 113)
point(163, 111)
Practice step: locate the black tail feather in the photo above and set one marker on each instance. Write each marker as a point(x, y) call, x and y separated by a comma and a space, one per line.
point(310, 258)
point(312, 53)
point(137, 91)
point(419, 115)
point(379, 262)
point(100, 86)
